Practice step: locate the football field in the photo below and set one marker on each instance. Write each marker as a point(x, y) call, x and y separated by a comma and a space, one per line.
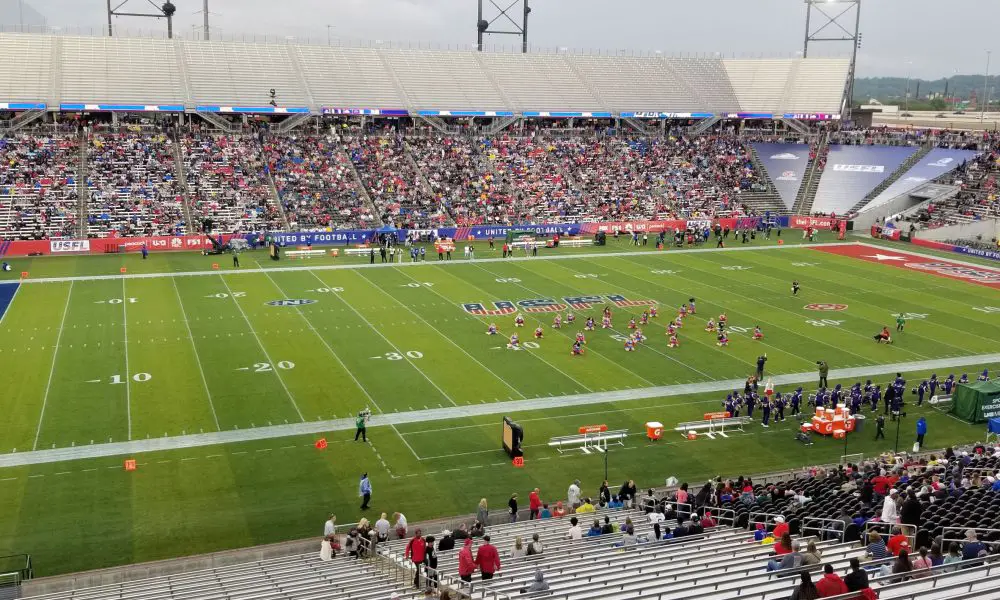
point(219, 382)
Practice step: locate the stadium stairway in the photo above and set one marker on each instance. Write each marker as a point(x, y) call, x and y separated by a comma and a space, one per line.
point(769, 200)
point(807, 191)
point(902, 170)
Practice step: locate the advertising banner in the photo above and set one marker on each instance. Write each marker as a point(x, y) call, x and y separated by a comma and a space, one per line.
point(786, 165)
point(66, 246)
point(938, 162)
point(852, 172)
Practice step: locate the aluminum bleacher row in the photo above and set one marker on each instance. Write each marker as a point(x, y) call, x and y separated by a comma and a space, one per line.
point(219, 73)
point(303, 577)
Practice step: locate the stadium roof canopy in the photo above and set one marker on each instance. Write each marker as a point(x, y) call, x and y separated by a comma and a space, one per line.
point(94, 73)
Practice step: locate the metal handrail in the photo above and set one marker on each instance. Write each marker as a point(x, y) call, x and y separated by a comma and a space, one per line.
point(962, 530)
point(840, 531)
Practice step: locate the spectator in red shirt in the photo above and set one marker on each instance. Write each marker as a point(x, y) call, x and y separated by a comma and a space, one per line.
point(784, 544)
point(488, 559)
point(880, 484)
point(534, 504)
point(466, 564)
point(830, 584)
point(415, 551)
point(897, 541)
point(780, 527)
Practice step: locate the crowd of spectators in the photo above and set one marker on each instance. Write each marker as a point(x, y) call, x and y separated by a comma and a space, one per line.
point(132, 183)
point(38, 196)
point(227, 182)
point(317, 184)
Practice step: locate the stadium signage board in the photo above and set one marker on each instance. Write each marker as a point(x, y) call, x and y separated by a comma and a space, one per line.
point(61, 246)
point(291, 302)
point(860, 168)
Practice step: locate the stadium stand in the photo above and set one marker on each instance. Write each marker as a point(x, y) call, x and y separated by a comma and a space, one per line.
point(317, 184)
point(26, 72)
point(38, 196)
point(214, 73)
point(227, 183)
point(120, 70)
point(132, 185)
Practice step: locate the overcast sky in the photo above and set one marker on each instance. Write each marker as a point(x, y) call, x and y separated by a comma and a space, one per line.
point(938, 38)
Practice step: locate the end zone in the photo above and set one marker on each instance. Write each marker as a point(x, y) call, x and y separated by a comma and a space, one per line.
point(966, 272)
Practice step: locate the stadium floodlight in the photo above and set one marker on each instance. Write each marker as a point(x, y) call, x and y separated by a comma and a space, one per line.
point(519, 29)
point(166, 10)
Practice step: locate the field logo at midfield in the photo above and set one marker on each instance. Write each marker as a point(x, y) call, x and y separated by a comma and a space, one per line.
point(550, 305)
point(825, 306)
point(294, 302)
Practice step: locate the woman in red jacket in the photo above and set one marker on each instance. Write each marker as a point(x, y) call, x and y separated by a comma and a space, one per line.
point(466, 564)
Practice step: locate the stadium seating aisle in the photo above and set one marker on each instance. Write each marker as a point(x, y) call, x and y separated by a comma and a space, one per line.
point(132, 185)
point(38, 196)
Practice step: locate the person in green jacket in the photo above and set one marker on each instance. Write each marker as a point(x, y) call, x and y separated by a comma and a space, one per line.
point(360, 424)
point(900, 322)
point(824, 370)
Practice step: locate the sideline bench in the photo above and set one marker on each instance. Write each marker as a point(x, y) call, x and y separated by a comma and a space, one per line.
point(713, 426)
point(575, 242)
point(597, 442)
point(304, 253)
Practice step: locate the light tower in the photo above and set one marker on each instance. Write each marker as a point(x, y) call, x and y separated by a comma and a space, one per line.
point(520, 28)
point(840, 21)
point(166, 11)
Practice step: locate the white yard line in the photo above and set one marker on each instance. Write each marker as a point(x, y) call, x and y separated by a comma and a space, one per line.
point(412, 451)
point(52, 369)
point(329, 348)
point(197, 358)
point(424, 321)
point(15, 459)
point(419, 264)
point(262, 349)
point(391, 345)
point(128, 374)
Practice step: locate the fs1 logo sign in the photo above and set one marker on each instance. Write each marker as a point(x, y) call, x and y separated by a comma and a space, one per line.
point(295, 302)
point(550, 305)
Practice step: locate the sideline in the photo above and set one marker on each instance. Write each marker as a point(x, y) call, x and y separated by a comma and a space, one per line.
point(667, 252)
point(38, 457)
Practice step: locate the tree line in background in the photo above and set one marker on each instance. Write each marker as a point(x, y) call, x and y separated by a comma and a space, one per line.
point(927, 95)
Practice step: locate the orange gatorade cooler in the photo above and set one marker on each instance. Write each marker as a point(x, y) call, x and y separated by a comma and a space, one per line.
point(654, 430)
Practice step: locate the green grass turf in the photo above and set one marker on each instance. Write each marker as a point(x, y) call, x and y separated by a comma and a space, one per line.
point(205, 353)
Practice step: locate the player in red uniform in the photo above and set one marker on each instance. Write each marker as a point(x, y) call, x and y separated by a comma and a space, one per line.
point(691, 306)
point(578, 348)
point(638, 336)
point(539, 332)
point(722, 318)
point(557, 321)
point(606, 322)
point(518, 321)
point(492, 330)
point(673, 343)
point(580, 337)
point(723, 339)
point(629, 344)
point(644, 319)
point(589, 325)
point(710, 326)
point(631, 324)
point(757, 333)
point(652, 312)
point(671, 330)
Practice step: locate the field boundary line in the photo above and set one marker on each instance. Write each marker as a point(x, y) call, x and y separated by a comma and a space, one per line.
point(197, 357)
point(393, 346)
point(16, 459)
point(262, 348)
point(439, 332)
point(328, 347)
point(52, 368)
point(128, 374)
point(422, 263)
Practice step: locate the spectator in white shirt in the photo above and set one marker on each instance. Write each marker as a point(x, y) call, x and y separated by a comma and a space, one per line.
point(382, 527)
point(573, 494)
point(890, 514)
point(330, 527)
point(574, 533)
point(400, 525)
